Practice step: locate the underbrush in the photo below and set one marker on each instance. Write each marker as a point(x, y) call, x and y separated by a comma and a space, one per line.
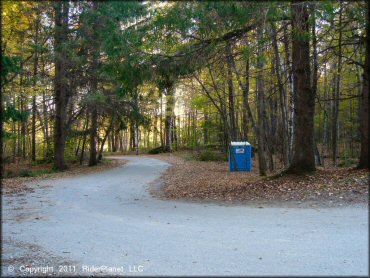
point(28, 169)
point(34, 173)
point(189, 178)
point(205, 155)
point(25, 168)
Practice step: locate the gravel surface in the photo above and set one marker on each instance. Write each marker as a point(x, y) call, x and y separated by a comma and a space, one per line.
point(108, 224)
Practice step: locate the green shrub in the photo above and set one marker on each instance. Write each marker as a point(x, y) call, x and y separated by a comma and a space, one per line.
point(25, 173)
point(212, 156)
point(189, 157)
point(34, 173)
point(207, 156)
point(8, 174)
point(42, 172)
point(157, 150)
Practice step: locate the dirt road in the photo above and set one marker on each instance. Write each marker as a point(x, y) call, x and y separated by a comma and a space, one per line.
point(108, 224)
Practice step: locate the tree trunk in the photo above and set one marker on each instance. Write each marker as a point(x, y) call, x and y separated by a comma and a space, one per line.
point(137, 138)
point(132, 136)
point(326, 113)
point(335, 132)
point(304, 100)
point(290, 91)
point(230, 85)
point(364, 110)
point(161, 120)
point(47, 150)
point(94, 89)
point(205, 128)
point(260, 103)
point(246, 107)
point(170, 103)
point(93, 136)
point(314, 70)
point(84, 140)
point(282, 98)
point(35, 64)
point(23, 119)
point(155, 129)
point(105, 139)
point(60, 84)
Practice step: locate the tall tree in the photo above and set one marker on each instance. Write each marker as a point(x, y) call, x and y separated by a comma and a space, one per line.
point(260, 89)
point(168, 88)
point(364, 110)
point(231, 94)
point(35, 65)
point(61, 93)
point(94, 43)
point(304, 100)
point(335, 131)
point(282, 97)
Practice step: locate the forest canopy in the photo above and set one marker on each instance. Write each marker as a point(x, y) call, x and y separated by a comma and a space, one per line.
point(81, 78)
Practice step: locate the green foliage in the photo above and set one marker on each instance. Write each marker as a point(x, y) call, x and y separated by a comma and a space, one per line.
point(144, 48)
point(189, 157)
point(24, 173)
point(8, 65)
point(156, 150)
point(33, 173)
point(204, 155)
point(208, 155)
point(11, 113)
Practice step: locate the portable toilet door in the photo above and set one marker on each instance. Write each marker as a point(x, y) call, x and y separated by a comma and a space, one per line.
point(240, 156)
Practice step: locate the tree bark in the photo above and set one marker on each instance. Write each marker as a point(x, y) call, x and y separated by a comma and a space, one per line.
point(231, 94)
point(205, 128)
point(326, 113)
point(282, 98)
point(260, 104)
point(289, 90)
point(246, 107)
point(34, 107)
point(23, 119)
point(93, 136)
point(314, 69)
point(94, 89)
point(304, 100)
point(60, 84)
point(335, 132)
point(170, 103)
point(84, 139)
point(364, 110)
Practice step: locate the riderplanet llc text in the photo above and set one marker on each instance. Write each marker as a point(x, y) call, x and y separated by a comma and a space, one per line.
point(65, 269)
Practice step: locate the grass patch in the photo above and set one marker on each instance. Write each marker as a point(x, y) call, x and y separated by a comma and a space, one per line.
point(189, 157)
point(157, 150)
point(204, 155)
point(34, 173)
point(212, 156)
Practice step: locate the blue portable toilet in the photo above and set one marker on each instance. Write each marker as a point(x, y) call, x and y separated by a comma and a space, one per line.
point(240, 156)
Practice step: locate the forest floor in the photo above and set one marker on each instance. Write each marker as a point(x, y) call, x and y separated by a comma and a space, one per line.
point(213, 182)
point(22, 173)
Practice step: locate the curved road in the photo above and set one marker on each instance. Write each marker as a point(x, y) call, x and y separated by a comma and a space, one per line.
point(109, 219)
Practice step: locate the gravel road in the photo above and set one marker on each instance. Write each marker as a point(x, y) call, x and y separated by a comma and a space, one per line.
point(108, 224)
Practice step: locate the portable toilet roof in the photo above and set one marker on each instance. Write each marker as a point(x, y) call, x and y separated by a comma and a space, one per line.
point(245, 143)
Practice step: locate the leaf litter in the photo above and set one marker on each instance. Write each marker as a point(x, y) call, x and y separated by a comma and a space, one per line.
point(212, 181)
